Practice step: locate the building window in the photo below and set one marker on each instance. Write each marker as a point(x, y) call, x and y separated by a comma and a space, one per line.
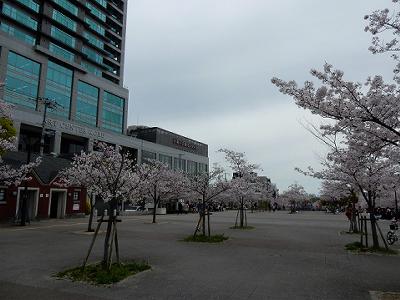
point(62, 36)
point(179, 164)
point(93, 40)
point(192, 167)
point(64, 20)
point(113, 112)
point(202, 168)
point(94, 26)
point(93, 55)
point(22, 81)
point(94, 11)
point(57, 50)
point(18, 34)
point(19, 16)
point(102, 3)
point(147, 155)
point(91, 69)
point(67, 6)
point(166, 159)
point(31, 4)
point(3, 196)
point(86, 103)
point(58, 88)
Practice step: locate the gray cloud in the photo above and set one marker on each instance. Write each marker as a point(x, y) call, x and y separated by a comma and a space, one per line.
point(203, 69)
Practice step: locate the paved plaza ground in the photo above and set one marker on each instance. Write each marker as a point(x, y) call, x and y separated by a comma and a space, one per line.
point(286, 256)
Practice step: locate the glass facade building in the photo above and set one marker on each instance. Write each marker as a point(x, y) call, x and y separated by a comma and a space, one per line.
point(59, 86)
point(22, 81)
point(87, 104)
point(71, 52)
point(113, 112)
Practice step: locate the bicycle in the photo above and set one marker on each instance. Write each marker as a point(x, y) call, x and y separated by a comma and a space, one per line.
point(392, 236)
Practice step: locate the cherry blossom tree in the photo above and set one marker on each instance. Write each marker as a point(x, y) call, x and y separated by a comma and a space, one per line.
point(110, 174)
point(208, 186)
point(13, 175)
point(362, 172)
point(266, 192)
point(295, 196)
point(364, 116)
point(383, 23)
point(159, 183)
point(244, 184)
point(10, 175)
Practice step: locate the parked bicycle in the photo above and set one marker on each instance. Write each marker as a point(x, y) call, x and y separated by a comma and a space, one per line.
point(392, 236)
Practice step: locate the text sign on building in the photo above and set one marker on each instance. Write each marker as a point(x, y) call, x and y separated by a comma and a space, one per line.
point(184, 144)
point(74, 129)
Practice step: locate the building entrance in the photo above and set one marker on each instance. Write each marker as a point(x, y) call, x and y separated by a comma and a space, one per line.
point(71, 144)
point(57, 204)
point(31, 204)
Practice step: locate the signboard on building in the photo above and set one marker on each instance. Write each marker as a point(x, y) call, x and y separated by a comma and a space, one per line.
point(74, 129)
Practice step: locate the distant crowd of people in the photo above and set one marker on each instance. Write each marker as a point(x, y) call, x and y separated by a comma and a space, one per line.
point(379, 212)
point(187, 207)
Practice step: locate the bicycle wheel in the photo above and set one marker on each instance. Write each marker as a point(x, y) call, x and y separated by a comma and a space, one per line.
point(390, 237)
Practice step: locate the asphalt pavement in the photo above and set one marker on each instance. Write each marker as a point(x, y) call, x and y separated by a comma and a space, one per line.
point(299, 256)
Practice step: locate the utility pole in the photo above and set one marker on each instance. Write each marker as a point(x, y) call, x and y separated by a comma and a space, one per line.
point(51, 104)
point(25, 195)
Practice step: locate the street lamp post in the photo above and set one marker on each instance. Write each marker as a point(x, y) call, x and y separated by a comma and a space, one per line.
point(51, 104)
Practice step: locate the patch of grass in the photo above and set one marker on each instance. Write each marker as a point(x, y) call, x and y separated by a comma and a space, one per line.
point(218, 238)
point(242, 228)
point(95, 274)
point(357, 247)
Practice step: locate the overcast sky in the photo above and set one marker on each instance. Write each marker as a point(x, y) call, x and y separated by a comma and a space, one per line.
point(202, 68)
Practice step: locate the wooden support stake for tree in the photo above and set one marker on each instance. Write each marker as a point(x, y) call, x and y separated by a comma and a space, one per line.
point(361, 232)
point(197, 227)
point(383, 238)
point(109, 260)
point(93, 240)
point(237, 215)
point(366, 232)
point(245, 218)
point(208, 224)
point(116, 245)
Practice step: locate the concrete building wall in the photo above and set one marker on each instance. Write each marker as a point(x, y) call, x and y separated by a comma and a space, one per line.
point(96, 134)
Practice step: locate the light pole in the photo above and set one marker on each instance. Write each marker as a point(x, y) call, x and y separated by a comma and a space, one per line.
point(51, 104)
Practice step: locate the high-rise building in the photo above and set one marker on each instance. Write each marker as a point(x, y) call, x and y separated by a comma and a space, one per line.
point(71, 52)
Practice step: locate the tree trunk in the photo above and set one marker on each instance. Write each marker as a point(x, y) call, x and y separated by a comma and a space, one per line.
point(354, 227)
point(241, 213)
point(90, 229)
point(375, 239)
point(154, 212)
point(156, 200)
point(107, 242)
point(111, 217)
point(203, 216)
